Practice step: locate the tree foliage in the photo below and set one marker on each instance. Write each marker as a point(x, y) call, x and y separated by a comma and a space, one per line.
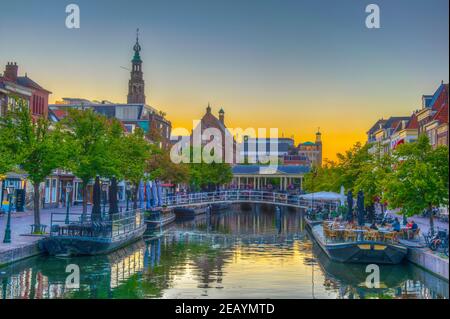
point(372, 175)
point(348, 171)
point(8, 149)
point(414, 177)
point(161, 167)
point(420, 178)
point(92, 144)
point(209, 176)
point(33, 145)
point(134, 152)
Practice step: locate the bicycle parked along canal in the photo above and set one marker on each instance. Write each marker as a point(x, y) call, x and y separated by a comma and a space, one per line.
point(438, 241)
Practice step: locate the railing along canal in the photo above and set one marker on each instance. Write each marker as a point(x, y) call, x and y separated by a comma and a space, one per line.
point(107, 227)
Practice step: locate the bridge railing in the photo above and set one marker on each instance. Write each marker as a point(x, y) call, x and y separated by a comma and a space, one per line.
point(246, 196)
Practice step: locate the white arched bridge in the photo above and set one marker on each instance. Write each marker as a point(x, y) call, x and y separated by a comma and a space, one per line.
point(247, 196)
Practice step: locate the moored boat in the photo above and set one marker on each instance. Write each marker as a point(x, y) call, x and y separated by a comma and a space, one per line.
point(220, 206)
point(159, 218)
point(190, 212)
point(357, 250)
point(82, 236)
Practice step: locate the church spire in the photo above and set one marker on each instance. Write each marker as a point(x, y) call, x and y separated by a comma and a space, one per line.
point(136, 85)
point(137, 48)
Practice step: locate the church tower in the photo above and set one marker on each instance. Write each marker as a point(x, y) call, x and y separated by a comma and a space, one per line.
point(319, 147)
point(136, 85)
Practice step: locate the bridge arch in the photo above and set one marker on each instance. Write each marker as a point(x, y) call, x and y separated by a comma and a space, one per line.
point(245, 196)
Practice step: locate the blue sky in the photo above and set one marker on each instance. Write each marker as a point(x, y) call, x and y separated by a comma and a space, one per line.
point(290, 64)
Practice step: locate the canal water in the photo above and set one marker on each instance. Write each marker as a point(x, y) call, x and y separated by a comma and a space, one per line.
point(254, 253)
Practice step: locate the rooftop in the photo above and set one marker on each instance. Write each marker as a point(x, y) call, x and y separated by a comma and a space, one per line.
point(27, 82)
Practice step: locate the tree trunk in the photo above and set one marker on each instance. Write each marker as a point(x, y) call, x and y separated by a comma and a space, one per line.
point(113, 208)
point(371, 213)
point(430, 211)
point(37, 215)
point(135, 195)
point(84, 199)
point(96, 213)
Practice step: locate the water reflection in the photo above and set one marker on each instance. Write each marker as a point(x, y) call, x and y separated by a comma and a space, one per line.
point(253, 254)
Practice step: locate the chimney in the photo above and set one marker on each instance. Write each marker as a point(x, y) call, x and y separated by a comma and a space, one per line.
point(11, 71)
point(222, 116)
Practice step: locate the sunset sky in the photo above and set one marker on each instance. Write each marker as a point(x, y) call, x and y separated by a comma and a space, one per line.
point(296, 65)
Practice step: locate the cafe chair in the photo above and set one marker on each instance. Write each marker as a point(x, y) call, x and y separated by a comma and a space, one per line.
point(350, 235)
point(373, 235)
point(391, 237)
point(333, 235)
point(415, 233)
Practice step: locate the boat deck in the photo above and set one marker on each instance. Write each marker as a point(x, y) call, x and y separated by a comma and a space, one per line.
point(359, 251)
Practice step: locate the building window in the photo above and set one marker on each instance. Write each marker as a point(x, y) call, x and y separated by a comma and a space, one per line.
point(41, 111)
point(47, 191)
point(54, 190)
point(120, 193)
point(78, 196)
point(432, 137)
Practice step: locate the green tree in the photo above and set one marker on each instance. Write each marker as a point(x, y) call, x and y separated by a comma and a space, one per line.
point(203, 175)
point(7, 145)
point(370, 179)
point(208, 176)
point(346, 171)
point(351, 164)
point(161, 167)
point(419, 180)
point(135, 152)
point(90, 137)
point(37, 149)
point(322, 178)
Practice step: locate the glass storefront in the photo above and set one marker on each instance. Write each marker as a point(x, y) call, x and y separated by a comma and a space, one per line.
point(17, 183)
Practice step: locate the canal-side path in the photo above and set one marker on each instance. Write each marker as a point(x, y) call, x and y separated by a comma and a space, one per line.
point(23, 244)
point(435, 262)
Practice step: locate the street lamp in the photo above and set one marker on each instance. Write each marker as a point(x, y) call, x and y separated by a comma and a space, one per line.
point(68, 191)
point(10, 190)
point(104, 189)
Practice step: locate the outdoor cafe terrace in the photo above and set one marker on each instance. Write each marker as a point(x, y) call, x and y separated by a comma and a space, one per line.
point(338, 231)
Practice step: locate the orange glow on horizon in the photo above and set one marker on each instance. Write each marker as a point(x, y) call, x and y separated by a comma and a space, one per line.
point(336, 138)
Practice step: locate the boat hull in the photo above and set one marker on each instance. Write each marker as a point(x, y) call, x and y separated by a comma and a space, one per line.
point(86, 246)
point(189, 213)
point(364, 252)
point(155, 224)
point(220, 207)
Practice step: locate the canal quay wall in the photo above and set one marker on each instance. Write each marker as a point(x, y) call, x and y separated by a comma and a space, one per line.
point(23, 244)
point(12, 254)
point(429, 261)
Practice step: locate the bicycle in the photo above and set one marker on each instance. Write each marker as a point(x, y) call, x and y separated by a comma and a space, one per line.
point(439, 242)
